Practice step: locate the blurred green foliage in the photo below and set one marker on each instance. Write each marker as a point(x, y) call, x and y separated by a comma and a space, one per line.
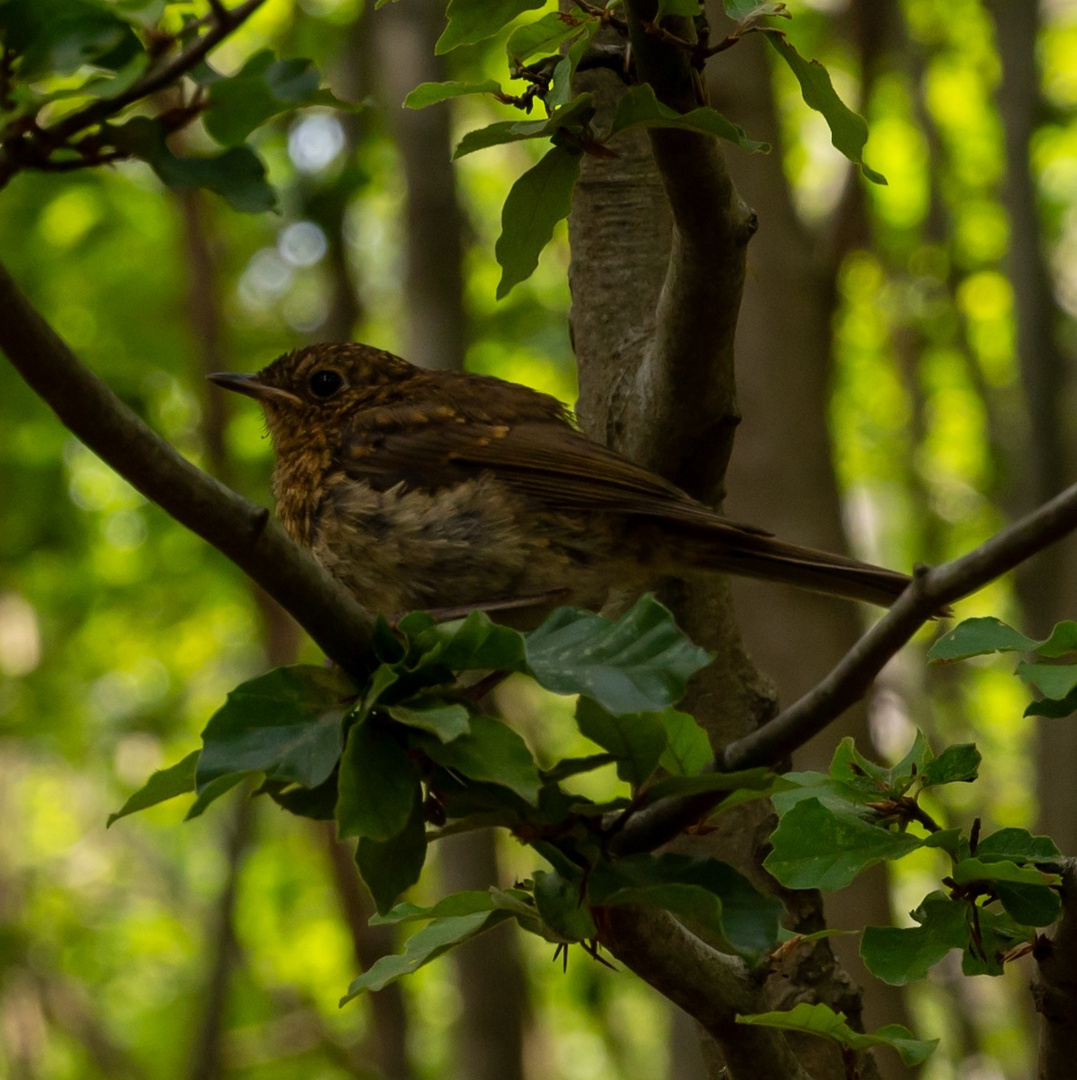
point(120, 633)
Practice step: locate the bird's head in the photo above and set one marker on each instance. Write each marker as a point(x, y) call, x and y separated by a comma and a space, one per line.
point(308, 388)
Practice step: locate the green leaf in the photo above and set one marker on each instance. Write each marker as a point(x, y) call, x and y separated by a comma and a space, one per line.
point(849, 767)
point(458, 903)
point(640, 662)
point(1017, 845)
point(636, 740)
point(573, 116)
point(974, 869)
point(975, 637)
point(262, 89)
point(57, 37)
point(1054, 681)
point(1062, 640)
point(815, 847)
point(640, 108)
point(390, 866)
point(237, 174)
point(998, 934)
point(430, 93)
point(164, 784)
point(687, 747)
point(492, 752)
point(426, 945)
point(956, 764)
point(567, 767)
point(902, 955)
point(848, 132)
point(212, 792)
point(476, 643)
point(446, 720)
point(378, 783)
point(1030, 905)
point(545, 35)
point(830, 792)
point(561, 90)
point(1053, 710)
point(539, 199)
point(560, 904)
point(706, 891)
point(287, 724)
point(476, 20)
point(821, 1020)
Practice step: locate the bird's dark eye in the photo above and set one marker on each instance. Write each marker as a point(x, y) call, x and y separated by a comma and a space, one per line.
point(325, 383)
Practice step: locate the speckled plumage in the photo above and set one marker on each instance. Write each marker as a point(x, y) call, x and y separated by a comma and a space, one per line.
point(438, 490)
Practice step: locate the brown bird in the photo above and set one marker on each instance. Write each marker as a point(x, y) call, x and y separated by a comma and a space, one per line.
point(443, 491)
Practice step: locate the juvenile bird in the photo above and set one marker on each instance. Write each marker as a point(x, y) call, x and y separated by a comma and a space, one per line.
point(444, 491)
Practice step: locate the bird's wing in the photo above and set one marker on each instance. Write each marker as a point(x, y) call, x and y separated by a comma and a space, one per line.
point(546, 460)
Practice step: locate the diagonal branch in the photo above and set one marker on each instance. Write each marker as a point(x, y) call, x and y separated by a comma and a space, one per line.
point(850, 680)
point(238, 528)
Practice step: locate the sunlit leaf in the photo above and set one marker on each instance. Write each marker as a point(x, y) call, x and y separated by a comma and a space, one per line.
point(848, 131)
point(475, 20)
point(430, 93)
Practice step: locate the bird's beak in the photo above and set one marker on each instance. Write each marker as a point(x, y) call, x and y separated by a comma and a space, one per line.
point(252, 387)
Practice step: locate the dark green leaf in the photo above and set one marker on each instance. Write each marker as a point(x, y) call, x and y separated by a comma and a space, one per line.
point(898, 956)
point(60, 36)
point(1030, 905)
point(636, 740)
point(264, 88)
point(1052, 709)
point(430, 93)
point(476, 643)
point(688, 9)
point(504, 131)
point(390, 866)
point(286, 724)
point(212, 792)
point(446, 720)
point(492, 752)
point(318, 804)
point(1052, 680)
point(475, 20)
point(164, 784)
point(559, 902)
point(974, 637)
point(848, 132)
point(815, 847)
point(561, 91)
point(687, 747)
point(237, 175)
point(378, 783)
point(640, 108)
point(574, 766)
point(1017, 845)
point(956, 764)
point(821, 1020)
point(638, 663)
point(426, 945)
point(998, 935)
point(706, 891)
point(538, 200)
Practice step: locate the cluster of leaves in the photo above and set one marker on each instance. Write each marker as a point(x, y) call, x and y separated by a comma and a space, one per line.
point(411, 748)
point(999, 891)
point(70, 69)
point(410, 756)
point(545, 53)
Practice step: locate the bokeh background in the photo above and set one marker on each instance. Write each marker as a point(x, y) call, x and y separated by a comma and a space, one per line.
point(927, 377)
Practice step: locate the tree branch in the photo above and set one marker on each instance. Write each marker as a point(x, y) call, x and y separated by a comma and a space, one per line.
point(238, 528)
point(850, 679)
point(1055, 987)
point(709, 985)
